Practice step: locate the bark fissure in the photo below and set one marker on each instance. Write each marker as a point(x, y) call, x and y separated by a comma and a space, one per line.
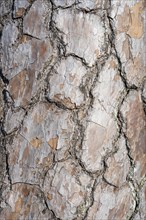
point(72, 110)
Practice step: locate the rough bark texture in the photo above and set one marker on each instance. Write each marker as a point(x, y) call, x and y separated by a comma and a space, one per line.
point(73, 110)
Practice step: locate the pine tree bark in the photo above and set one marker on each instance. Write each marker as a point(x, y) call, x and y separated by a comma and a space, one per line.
point(73, 110)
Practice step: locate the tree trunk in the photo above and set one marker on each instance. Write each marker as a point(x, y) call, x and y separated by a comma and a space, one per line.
point(73, 110)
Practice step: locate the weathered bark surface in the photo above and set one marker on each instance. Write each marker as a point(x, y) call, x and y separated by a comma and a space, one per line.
point(73, 110)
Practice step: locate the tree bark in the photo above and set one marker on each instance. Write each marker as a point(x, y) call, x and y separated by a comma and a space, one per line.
point(73, 110)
